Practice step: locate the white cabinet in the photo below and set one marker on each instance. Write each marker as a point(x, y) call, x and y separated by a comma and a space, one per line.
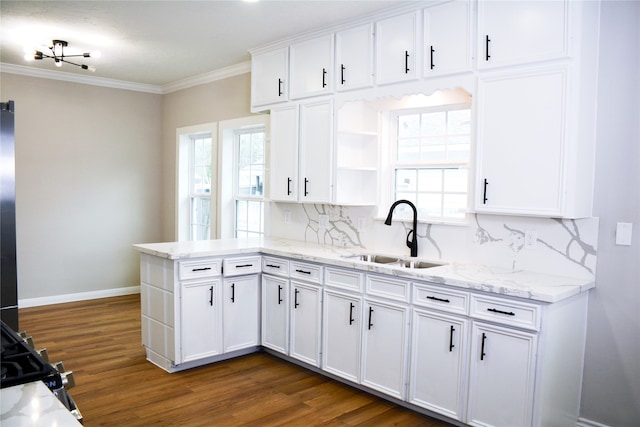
point(516, 32)
point(269, 78)
point(501, 387)
point(241, 309)
point(396, 49)
point(354, 58)
point(342, 334)
point(439, 355)
point(384, 347)
point(305, 323)
point(522, 151)
point(201, 319)
point(316, 149)
point(447, 34)
point(275, 313)
point(284, 154)
point(311, 67)
point(301, 150)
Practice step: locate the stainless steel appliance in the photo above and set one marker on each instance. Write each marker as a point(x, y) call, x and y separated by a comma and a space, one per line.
point(20, 363)
point(8, 271)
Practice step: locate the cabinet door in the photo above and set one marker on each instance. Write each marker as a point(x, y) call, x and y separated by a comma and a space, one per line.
point(316, 148)
point(284, 154)
point(521, 143)
point(342, 322)
point(384, 346)
point(447, 33)
point(269, 78)
point(438, 363)
point(275, 313)
point(201, 320)
point(312, 67)
point(241, 299)
point(502, 376)
point(354, 58)
point(516, 32)
point(305, 323)
point(396, 49)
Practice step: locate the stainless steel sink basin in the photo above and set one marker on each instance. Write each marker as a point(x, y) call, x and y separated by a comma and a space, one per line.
point(394, 261)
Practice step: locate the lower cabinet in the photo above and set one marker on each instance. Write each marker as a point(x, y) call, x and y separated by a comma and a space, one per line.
point(439, 349)
point(241, 308)
point(384, 347)
point(342, 335)
point(501, 383)
point(201, 320)
point(275, 313)
point(305, 301)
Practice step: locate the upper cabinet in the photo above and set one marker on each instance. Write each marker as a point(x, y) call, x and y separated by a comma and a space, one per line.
point(396, 49)
point(518, 32)
point(269, 77)
point(447, 39)
point(354, 58)
point(311, 67)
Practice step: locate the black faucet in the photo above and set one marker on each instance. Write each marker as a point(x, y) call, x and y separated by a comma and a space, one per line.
point(413, 244)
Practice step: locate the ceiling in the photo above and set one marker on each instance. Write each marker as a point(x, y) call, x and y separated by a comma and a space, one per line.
point(162, 42)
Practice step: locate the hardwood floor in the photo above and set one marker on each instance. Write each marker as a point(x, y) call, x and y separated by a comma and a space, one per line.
point(99, 340)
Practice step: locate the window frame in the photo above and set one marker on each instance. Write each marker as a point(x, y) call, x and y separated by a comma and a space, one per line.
point(237, 197)
point(389, 171)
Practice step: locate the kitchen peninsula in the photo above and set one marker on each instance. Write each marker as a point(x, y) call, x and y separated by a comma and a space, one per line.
point(477, 344)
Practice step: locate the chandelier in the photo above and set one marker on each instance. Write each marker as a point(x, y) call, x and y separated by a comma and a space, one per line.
point(58, 55)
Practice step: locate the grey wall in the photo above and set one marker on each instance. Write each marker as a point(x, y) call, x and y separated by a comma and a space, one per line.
point(88, 184)
point(611, 388)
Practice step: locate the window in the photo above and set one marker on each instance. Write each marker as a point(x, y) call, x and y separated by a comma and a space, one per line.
point(200, 187)
point(431, 149)
point(250, 150)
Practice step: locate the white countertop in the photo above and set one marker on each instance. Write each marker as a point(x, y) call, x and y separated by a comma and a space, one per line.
point(33, 404)
point(521, 284)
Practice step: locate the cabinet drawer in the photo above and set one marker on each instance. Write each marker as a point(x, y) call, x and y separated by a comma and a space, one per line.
point(505, 311)
point(199, 268)
point(343, 279)
point(308, 272)
point(243, 265)
point(436, 297)
point(275, 266)
point(387, 287)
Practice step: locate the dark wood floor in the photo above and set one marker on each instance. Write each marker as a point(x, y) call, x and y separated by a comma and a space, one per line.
point(100, 341)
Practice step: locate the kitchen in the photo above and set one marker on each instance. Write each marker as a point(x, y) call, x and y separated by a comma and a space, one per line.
point(70, 215)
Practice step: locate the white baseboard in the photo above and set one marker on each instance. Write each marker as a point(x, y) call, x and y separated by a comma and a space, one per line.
point(59, 299)
point(583, 422)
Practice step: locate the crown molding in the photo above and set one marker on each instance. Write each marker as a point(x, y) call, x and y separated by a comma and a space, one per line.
point(77, 78)
point(222, 73)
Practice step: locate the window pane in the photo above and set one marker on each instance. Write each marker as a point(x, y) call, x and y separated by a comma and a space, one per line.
point(201, 164)
point(200, 218)
point(455, 205)
point(455, 180)
point(409, 125)
point(430, 205)
point(430, 180)
point(434, 123)
point(406, 180)
point(434, 153)
point(459, 122)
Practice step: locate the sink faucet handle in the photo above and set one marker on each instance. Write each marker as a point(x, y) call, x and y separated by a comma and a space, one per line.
point(410, 242)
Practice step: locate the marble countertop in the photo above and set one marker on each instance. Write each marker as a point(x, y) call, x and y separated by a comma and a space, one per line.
point(521, 284)
point(33, 404)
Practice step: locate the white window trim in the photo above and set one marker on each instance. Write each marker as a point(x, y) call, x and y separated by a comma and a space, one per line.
point(227, 156)
point(182, 190)
point(389, 151)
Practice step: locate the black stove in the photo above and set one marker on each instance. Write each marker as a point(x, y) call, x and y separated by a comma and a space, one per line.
point(20, 364)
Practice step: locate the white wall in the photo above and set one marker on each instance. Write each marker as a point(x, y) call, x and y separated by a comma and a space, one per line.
point(88, 185)
point(611, 387)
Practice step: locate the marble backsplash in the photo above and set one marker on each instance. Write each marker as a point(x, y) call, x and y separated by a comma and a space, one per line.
point(563, 247)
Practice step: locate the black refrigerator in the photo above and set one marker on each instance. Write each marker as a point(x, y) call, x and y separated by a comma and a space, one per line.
point(8, 270)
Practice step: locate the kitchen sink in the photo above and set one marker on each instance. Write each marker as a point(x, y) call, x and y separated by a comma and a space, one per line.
point(393, 261)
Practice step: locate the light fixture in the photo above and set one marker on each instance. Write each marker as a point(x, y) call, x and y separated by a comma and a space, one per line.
point(59, 57)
